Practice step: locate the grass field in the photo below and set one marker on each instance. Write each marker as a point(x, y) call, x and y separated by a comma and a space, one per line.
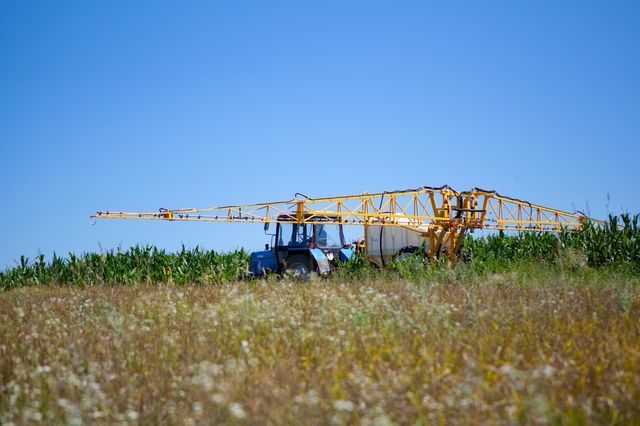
point(533, 345)
point(535, 330)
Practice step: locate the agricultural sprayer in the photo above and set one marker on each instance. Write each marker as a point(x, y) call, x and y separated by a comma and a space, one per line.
point(309, 232)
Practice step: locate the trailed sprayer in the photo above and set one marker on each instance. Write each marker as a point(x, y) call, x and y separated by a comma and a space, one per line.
point(309, 232)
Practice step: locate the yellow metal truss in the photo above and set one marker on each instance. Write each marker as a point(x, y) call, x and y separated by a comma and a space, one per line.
point(439, 213)
point(415, 208)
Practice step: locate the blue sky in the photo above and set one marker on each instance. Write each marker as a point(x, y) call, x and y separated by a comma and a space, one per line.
point(139, 105)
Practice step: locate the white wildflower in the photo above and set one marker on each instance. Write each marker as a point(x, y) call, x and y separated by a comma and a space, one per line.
point(343, 405)
point(382, 420)
point(237, 411)
point(548, 371)
point(507, 370)
point(35, 416)
point(43, 369)
point(218, 398)
point(96, 414)
point(132, 415)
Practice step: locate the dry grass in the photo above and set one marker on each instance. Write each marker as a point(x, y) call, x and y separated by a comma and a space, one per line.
point(382, 352)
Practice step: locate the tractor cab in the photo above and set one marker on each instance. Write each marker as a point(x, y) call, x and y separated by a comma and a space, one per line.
point(303, 248)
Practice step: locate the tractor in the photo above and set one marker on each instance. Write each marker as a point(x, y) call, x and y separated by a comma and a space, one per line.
point(301, 249)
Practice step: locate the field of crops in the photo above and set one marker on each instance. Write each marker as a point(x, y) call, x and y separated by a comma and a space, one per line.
point(533, 330)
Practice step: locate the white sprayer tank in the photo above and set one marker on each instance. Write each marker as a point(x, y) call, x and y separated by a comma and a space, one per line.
point(395, 241)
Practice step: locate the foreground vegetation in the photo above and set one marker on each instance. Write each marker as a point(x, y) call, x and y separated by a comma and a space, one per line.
point(529, 346)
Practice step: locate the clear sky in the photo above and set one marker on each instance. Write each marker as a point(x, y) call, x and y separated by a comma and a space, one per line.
point(119, 105)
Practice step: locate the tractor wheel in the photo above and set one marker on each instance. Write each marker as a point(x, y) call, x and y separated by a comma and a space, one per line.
point(299, 267)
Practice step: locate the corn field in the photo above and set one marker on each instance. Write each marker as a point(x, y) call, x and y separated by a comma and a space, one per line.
point(138, 265)
point(618, 242)
point(596, 247)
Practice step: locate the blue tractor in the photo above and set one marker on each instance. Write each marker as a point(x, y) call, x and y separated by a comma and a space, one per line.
point(301, 249)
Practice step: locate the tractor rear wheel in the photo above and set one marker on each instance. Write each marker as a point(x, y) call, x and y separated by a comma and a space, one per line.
point(299, 267)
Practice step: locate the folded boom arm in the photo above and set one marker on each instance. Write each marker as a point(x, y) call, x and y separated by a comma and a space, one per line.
point(424, 207)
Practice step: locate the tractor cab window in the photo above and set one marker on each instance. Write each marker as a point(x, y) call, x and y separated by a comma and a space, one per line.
point(294, 234)
point(329, 235)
